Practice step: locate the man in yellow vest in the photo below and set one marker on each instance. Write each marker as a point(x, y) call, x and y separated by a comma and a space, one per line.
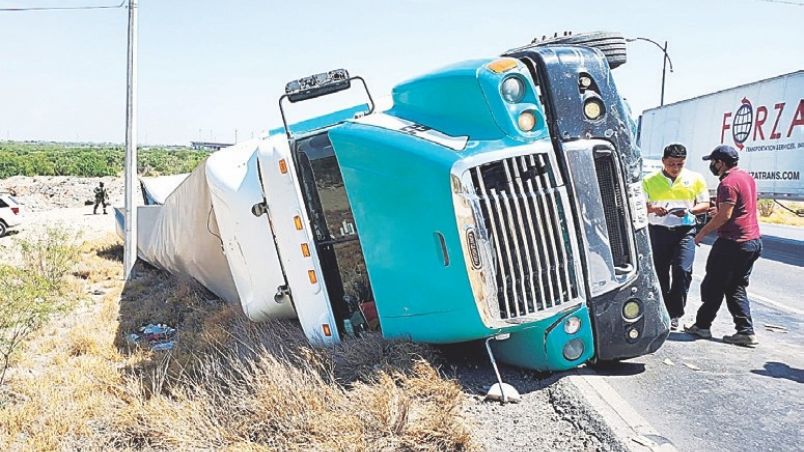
point(675, 196)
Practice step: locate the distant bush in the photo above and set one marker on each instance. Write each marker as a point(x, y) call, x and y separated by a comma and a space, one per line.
point(31, 294)
point(25, 304)
point(765, 207)
point(51, 255)
point(43, 159)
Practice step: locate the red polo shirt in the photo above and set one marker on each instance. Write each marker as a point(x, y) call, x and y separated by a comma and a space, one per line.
point(740, 189)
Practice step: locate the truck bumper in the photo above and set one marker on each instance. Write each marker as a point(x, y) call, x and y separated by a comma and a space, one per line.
point(614, 338)
point(542, 347)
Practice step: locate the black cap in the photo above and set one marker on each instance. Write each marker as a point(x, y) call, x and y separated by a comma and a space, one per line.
point(724, 153)
point(675, 150)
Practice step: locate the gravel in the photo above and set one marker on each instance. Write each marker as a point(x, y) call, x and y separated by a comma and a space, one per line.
point(550, 417)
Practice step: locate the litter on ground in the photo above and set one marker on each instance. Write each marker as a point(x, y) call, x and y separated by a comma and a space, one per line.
point(156, 336)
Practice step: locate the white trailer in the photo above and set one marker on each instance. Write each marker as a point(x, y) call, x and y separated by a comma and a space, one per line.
point(763, 120)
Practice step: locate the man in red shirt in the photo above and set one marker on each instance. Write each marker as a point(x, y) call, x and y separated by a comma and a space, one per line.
point(734, 252)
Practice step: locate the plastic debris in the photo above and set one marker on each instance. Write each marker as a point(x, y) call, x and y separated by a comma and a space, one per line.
point(156, 336)
point(161, 346)
point(669, 362)
point(692, 366)
point(775, 328)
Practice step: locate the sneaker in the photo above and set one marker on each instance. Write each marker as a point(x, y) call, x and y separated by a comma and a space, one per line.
point(696, 331)
point(674, 324)
point(746, 340)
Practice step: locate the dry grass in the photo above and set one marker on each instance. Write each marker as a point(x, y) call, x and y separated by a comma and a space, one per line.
point(773, 213)
point(227, 384)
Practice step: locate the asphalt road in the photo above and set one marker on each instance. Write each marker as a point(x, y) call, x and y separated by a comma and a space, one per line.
point(705, 395)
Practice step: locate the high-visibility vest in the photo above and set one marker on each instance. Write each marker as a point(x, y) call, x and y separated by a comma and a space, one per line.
point(688, 189)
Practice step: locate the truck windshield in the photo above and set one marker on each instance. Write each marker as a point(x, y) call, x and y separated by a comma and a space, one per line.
point(336, 235)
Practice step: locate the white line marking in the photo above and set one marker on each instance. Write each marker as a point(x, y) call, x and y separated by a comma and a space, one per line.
point(764, 300)
point(636, 434)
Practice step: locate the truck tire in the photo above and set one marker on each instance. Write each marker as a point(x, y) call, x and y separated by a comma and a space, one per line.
point(3, 228)
point(611, 44)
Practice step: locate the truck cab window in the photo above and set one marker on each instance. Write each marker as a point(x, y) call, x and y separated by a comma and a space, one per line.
point(335, 231)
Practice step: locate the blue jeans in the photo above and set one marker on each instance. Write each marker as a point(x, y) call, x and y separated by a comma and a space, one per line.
point(673, 255)
point(727, 271)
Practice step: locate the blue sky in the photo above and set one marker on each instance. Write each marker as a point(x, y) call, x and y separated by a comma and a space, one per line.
point(210, 67)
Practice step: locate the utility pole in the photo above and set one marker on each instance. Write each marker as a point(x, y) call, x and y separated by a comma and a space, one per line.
point(130, 247)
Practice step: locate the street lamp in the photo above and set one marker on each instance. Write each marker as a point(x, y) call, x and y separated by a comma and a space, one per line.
point(664, 64)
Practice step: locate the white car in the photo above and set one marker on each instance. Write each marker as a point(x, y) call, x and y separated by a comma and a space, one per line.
point(10, 213)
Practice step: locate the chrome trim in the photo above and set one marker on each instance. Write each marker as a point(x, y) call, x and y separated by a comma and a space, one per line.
point(536, 257)
point(496, 236)
point(602, 275)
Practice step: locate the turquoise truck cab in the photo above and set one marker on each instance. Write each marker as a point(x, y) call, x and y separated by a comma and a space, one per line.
point(495, 198)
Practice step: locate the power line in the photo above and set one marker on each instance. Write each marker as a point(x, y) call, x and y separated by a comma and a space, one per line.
point(61, 8)
point(784, 2)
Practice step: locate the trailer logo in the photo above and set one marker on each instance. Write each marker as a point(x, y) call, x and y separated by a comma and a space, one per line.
point(748, 123)
point(474, 254)
point(743, 120)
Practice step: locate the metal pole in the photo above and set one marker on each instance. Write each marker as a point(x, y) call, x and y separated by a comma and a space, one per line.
point(664, 71)
point(130, 246)
point(496, 371)
point(665, 61)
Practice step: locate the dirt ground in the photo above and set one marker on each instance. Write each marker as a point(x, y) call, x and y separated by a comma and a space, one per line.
point(78, 220)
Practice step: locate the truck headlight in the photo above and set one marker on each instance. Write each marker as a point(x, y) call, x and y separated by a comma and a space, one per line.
point(572, 325)
point(639, 206)
point(526, 121)
point(593, 108)
point(512, 89)
point(631, 310)
point(573, 349)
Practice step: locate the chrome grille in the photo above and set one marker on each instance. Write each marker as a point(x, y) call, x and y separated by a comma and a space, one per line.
point(522, 207)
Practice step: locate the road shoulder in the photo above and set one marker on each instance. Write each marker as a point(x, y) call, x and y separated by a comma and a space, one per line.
point(616, 419)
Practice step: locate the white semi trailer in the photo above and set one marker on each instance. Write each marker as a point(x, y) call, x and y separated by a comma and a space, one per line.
point(763, 120)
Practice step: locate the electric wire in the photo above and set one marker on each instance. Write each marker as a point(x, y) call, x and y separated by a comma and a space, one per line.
point(784, 2)
point(63, 8)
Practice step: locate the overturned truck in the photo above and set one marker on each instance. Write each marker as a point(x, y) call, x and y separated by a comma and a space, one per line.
point(495, 199)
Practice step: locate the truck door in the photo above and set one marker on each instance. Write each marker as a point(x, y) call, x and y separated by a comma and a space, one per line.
point(333, 225)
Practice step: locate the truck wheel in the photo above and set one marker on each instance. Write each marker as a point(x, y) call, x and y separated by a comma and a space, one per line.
point(611, 44)
point(3, 228)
